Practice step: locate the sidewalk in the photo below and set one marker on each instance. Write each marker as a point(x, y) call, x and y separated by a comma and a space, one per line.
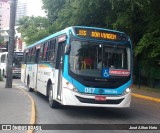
point(146, 95)
point(145, 92)
point(15, 106)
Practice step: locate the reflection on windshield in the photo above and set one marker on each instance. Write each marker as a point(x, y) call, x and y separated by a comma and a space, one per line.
point(89, 59)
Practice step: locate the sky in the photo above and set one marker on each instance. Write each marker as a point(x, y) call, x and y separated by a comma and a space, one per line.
point(34, 7)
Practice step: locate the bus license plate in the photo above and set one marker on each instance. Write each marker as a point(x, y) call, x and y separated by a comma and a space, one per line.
point(100, 98)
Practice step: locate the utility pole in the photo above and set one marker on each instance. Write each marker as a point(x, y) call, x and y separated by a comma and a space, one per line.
point(9, 68)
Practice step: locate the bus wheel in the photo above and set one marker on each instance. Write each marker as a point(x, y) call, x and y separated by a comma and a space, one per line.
point(28, 83)
point(52, 103)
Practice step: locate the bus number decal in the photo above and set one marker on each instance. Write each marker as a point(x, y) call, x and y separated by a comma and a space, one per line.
point(89, 90)
point(82, 32)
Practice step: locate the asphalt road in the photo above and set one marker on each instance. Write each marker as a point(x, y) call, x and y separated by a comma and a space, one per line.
point(140, 112)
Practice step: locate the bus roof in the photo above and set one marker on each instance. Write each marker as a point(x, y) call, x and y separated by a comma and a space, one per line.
point(66, 30)
point(96, 28)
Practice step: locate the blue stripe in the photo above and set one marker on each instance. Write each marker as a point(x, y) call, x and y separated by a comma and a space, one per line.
point(81, 88)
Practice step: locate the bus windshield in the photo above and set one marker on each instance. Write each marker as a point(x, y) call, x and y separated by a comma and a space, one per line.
point(17, 61)
point(89, 59)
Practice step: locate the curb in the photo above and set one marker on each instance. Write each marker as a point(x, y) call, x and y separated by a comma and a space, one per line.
point(146, 97)
point(33, 109)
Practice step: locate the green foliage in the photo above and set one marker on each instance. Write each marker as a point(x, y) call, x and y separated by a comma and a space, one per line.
point(52, 8)
point(149, 44)
point(78, 12)
point(33, 28)
point(92, 13)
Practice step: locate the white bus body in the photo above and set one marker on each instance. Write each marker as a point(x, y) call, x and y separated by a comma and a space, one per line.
point(50, 68)
point(17, 59)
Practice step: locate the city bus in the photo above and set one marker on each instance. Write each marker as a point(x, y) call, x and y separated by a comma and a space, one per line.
point(65, 67)
point(17, 60)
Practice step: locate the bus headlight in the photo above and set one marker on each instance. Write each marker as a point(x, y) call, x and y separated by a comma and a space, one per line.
point(69, 86)
point(126, 91)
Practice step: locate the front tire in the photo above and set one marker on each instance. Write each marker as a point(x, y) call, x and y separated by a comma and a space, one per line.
point(52, 102)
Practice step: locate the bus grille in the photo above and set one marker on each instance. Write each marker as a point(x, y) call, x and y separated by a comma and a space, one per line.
point(93, 101)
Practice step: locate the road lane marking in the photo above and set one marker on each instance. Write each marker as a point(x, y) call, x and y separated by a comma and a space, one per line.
point(153, 99)
point(33, 108)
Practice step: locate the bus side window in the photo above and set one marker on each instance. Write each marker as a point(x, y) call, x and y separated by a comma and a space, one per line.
point(51, 50)
point(33, 54)
point(29, 56)
point(25, 58)
point(37, 55)
point(3, 58)
point(43, 52)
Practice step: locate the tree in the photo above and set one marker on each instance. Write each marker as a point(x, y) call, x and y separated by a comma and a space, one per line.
point(52, 8)
point(33, 28)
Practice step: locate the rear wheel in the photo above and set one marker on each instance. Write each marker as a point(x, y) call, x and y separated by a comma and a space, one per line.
point(52, 102)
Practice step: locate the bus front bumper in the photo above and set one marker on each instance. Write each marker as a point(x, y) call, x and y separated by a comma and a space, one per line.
point(78, 99)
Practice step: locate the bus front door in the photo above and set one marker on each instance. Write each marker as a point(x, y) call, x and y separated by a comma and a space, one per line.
point(59, 66)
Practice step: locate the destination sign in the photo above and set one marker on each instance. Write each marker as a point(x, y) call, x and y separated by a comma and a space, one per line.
point(99, 34)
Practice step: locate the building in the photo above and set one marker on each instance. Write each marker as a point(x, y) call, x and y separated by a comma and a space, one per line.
point(21, 10)
point(5, 20)
point(24, 8)
point(4, 14)
point(19, 44)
